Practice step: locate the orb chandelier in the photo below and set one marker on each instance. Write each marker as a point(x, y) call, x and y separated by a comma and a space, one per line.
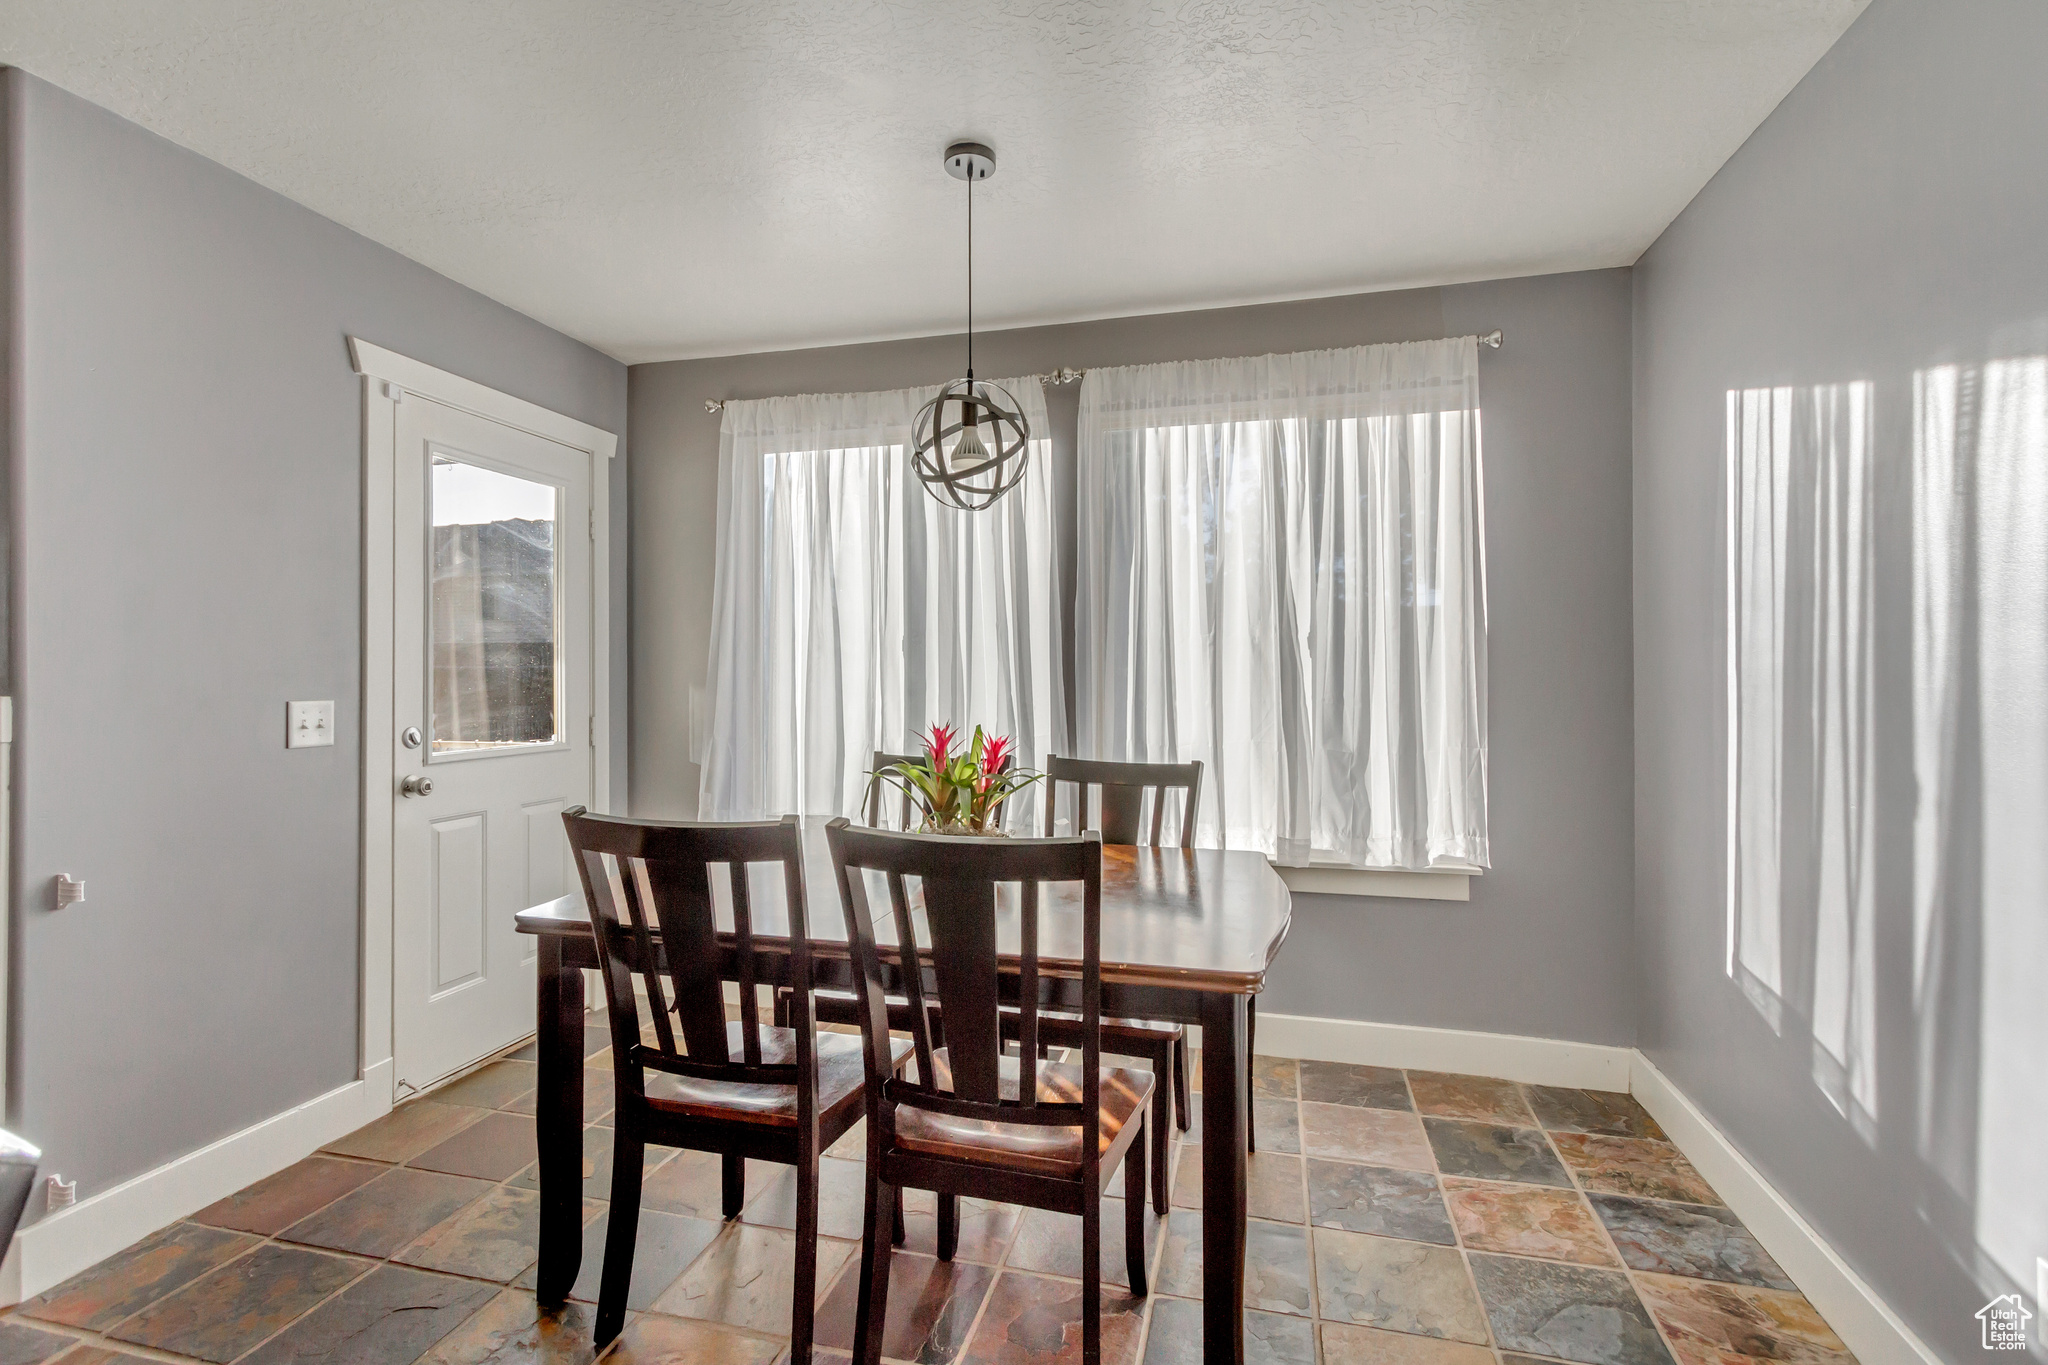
point(969, 444)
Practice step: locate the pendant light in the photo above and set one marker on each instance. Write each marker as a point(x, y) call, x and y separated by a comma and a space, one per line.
point(969, 444)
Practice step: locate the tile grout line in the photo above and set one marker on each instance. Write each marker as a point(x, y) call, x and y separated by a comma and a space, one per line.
point(107, 1332)
point(1464, 1253)
point(823, 1295)
point(1464, 1256)
point(1634, 1284)
point(343, 1289)
point(1178, 1149)
point(370, 1264)
point(1578, 1185)
point(1308, 1226)
point(1181, 1151)
point(1156, 1258)
point(1457, 1236)
point(136, 1349)
point(1547, 1260)
point(1313, 1316)
point(997, 1270)
point(1577, 1188)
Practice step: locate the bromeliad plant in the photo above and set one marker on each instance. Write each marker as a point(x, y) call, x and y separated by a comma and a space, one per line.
point(961, 792)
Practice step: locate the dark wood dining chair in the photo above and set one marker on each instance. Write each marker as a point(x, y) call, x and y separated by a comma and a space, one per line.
point(834, 1001)
point(879, 789)
point(735, 1087)
point(1119, 791)
point(977, 1121)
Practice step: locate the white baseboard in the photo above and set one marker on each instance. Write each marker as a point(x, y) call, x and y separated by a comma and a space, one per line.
point(51, 1251)
point(1330, 879)
point(60, 1246)
point(1871, 1330)
point(1537, 1061)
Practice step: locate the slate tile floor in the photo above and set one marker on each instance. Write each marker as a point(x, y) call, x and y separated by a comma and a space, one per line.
point(1398, 1218)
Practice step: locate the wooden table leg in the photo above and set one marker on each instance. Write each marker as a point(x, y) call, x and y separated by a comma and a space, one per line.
point(1225, 1107)
point(558, 1124)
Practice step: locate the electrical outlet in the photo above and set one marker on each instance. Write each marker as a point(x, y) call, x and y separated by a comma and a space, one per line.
point(308, 724)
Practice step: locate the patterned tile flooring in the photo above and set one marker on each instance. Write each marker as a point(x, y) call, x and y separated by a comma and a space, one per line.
point(1398, 1218)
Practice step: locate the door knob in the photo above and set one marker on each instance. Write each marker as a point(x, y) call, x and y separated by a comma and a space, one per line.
point(416, 786)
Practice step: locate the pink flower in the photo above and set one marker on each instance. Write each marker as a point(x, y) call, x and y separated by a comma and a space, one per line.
point(940, 743)
point(995, 751)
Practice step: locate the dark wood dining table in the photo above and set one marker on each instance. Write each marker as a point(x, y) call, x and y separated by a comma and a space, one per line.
point(1187, 935)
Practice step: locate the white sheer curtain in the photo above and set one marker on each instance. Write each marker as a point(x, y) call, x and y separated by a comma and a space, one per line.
point(1281, 575)
point(852, 610)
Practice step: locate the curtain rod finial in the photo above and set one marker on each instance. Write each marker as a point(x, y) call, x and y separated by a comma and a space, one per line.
point(1492, 339)
point(713, 405)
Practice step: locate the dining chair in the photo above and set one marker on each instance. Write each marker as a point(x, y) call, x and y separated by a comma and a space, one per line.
point(833, 1000)
point(709, 1084)
point(878, 789)
point(1119, 791)
point(1046, 1135)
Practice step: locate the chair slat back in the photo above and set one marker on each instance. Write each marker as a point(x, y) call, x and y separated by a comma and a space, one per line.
point(956, 888)
point(879, 789)
point(1120, 790)
point(642, 877)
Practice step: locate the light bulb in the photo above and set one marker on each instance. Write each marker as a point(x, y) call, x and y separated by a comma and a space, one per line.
point(969, 447)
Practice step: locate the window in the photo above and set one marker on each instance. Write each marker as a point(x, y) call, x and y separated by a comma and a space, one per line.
point(494, 619)
point(852, 610)
point(1281, 574)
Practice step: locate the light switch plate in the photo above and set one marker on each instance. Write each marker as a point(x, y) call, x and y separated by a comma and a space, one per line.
point(308, 724)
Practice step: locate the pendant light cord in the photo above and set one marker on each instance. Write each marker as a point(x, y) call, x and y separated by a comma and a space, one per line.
point(970, 276)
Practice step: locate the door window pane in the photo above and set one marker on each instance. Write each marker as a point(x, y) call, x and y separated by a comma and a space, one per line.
point(492, 632)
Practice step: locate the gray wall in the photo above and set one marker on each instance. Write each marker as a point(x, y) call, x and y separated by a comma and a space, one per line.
point(1889, 217)
point(1543, 946)
point(187, 479)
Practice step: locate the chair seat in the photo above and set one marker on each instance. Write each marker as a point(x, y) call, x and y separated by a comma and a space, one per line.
point(1023, 1146)
point(842, 1007)
point(838, 1007)
point(840, 1077)
point(847, 1000)
point(1054, 1024)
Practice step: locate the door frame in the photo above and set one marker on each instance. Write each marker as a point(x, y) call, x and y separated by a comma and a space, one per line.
point(388, 378)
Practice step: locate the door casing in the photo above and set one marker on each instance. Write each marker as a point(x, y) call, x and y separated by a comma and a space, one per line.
point(387, 378)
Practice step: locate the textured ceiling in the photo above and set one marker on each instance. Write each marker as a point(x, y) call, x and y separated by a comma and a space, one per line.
point(666, 179)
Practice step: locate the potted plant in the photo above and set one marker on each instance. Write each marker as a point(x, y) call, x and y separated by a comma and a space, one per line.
point(961, 792)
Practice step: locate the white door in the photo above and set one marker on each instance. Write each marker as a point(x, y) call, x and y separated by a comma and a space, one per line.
point(492, 661)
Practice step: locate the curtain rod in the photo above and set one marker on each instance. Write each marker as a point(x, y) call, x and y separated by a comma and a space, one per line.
point(1491, 339)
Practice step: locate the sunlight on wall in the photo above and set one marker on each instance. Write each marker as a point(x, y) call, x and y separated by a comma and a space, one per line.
point(1980, 763)
point(1801, 808)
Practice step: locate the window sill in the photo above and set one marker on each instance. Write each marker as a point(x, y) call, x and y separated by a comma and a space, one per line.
point(1338, 879)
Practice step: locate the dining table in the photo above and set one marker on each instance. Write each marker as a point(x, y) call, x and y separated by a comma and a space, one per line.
point(1187, 935)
